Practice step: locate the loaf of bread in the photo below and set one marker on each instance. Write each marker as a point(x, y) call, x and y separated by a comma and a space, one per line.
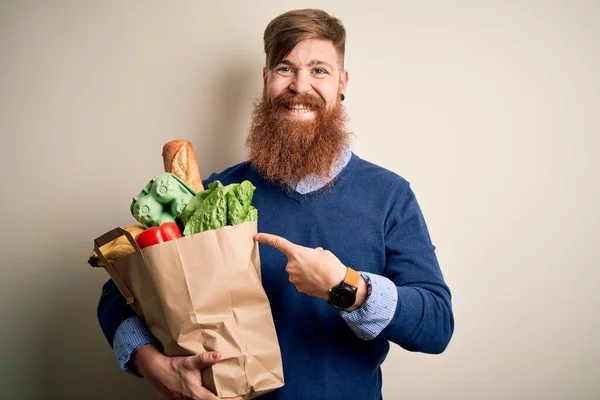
point(179, 159)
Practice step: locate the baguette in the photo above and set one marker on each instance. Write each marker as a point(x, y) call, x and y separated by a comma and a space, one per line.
point(179, 159)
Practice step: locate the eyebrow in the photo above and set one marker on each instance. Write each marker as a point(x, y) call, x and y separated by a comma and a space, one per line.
point(310, 64)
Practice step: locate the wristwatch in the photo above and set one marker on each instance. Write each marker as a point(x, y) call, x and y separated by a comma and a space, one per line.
point(343, 296)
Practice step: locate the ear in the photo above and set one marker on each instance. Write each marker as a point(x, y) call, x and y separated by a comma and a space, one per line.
point(265, 76)
point(344, 76)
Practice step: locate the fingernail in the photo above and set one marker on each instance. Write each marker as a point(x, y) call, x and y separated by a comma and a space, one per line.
point(214, 355)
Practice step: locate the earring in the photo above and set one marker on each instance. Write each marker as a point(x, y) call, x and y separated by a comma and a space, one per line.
point(342, 97)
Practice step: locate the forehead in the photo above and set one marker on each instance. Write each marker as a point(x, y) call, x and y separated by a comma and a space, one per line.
point(311, 50)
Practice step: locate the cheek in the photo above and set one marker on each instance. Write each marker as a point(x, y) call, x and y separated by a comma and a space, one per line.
point(273, 91)
point(329, 93)
point(275, 87)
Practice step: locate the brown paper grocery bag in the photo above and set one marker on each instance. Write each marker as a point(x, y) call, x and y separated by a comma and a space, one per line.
point(203, 293)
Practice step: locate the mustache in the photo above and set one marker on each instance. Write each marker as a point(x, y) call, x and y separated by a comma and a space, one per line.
point(288, 100)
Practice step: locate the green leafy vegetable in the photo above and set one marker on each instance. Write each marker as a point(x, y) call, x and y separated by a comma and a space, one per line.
point(219, 206)
point(195, 202)
point(238, 203)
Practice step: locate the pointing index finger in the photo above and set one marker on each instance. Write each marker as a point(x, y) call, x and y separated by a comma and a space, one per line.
point(277, 242)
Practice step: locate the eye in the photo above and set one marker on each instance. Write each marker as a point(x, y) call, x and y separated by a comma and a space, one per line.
point(320, 71)
point(284, 70)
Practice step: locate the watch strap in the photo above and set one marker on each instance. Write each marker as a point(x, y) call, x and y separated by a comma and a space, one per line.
point(352, 278)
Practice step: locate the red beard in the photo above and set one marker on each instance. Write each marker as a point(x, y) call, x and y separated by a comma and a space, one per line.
point(286, 150)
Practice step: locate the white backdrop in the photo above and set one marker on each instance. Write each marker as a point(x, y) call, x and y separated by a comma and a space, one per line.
point(490, 109)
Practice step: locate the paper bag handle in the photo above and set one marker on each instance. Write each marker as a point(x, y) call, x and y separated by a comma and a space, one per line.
point(112, 271)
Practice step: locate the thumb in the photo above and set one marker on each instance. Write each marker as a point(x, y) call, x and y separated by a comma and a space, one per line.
point(207, 359)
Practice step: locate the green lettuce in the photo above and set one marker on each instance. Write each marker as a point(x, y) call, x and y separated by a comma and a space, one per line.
point(219, 206)
point(195, 202)
point(239, 209)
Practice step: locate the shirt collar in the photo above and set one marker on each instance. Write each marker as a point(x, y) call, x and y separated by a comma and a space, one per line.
point(311, 183)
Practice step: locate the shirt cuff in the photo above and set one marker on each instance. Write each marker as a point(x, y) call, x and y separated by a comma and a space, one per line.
point(129, 337)
point(379, 308)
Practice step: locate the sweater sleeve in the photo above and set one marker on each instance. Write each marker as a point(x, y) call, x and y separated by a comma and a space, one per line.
point(112, 310)
point(124, 331)
point(423, 320)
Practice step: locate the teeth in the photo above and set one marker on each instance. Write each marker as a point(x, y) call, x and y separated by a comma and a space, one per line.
point(299, 109)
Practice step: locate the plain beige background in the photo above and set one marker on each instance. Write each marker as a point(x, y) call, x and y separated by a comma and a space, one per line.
point(490, 109)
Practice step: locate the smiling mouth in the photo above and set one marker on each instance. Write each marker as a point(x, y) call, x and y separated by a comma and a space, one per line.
point(299, 109)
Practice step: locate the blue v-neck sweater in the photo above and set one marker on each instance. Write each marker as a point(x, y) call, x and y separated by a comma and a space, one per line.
point(370, 219)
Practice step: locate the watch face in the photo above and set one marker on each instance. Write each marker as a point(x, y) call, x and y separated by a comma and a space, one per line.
point(342, 297)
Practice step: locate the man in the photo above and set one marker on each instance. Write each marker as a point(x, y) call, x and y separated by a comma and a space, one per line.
point(324, 214)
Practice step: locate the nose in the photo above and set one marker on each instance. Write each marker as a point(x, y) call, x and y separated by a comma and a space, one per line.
point(301, 83)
